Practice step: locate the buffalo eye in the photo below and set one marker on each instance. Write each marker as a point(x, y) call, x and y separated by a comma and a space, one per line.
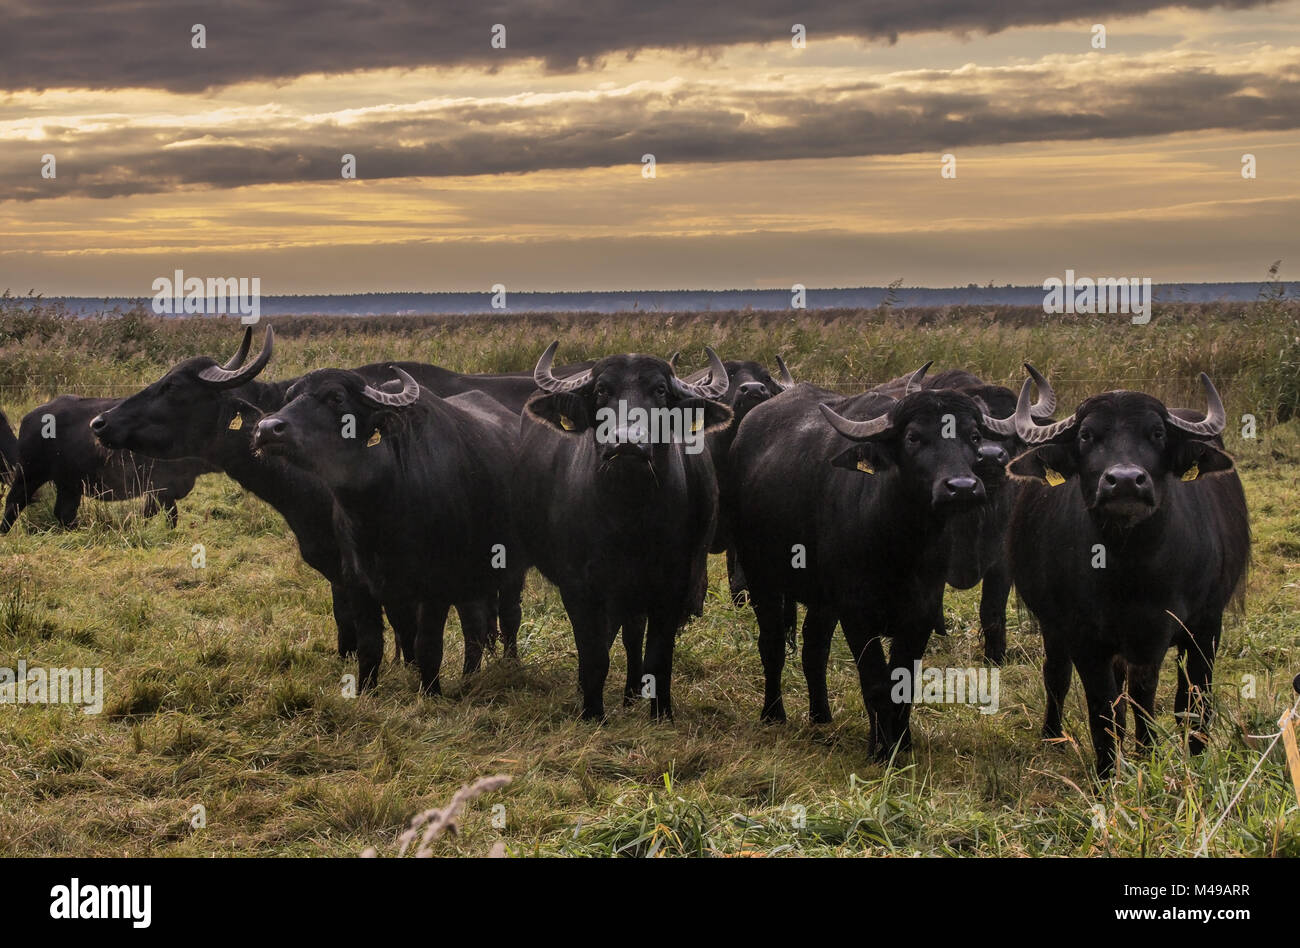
point(335, 399)
point(1158, 434)
point(661, 390)
point(1085, 436)
point(602, 391)
point(913, 438)
point(974, 437)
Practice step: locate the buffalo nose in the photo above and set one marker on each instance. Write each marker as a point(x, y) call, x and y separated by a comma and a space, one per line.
point(270, 429)
point(1125, 481)
point(97, 424)
point(626, 449)
point(993, 454)
point(751, 390)
point(963, 487)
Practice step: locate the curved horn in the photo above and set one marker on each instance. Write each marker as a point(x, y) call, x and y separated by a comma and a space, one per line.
point(1045, 406)
point(786, 380)
point(409, 393)
point(999, 426)
point(715, 387)
point(672, 359)
point(914, 380)
point(546, 379)
point(238, 359)
point(228, 378)
point(1215, 417)
point(857, 430)
point(1031, 433)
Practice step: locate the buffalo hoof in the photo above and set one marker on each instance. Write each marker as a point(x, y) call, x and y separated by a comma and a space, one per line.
point(995, 645)
point(820, 716)
point(773, 714)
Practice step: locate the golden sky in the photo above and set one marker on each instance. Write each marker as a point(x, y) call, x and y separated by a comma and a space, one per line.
point(774, 165)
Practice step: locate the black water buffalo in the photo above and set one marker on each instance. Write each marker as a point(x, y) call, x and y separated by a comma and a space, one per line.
point(852, 530)
point(8, 449)
point(974, 541)
point(749, 385)
point(421, 510)
point(200, 409)
point(616, 503)
point(55, 443)
point(1130, 536)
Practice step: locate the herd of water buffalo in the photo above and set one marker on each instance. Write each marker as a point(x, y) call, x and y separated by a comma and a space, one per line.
point(413, 489)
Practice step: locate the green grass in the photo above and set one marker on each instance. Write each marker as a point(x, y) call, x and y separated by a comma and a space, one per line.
point(224, 689)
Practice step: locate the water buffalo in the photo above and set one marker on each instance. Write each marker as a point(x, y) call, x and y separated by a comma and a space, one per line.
point(55, 443)
point(974, 541)
point(1130, 536)
point(8, 449)
point(421, 510)
point(616, 503)
point(852, 530)
point(749, 385)
point(200, 409)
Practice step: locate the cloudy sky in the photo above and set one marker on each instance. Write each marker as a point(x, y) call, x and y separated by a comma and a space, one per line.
point(773, 164)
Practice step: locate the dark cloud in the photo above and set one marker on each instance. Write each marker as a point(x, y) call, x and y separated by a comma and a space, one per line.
point(65, 43)
point(678, 123)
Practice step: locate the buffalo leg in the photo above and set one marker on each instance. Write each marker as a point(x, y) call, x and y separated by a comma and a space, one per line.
point(403, 617)
point(344, 620)
point(771, 649)
point(431, 620)
point(368, 627)
point(173, 513)
point(994, 591)
point(477, 624)
point(67, 499)
point(873, 678)
point(1142, 683)
point(818, 629)
point(1056, 680)
point(661, 636)
point(1097, 672)
point(21, 492)
point(908, 648)
point(1200, 675)
point(591, 636)
point(633, 640)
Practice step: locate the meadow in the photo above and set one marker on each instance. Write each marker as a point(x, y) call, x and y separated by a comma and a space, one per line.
point(225, 691)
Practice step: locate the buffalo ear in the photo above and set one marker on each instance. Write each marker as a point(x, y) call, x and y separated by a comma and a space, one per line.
point(1194, 458)
point(716, 415)
point(867, 457)
point(563, 411)
point(1047, 462)
point(237, 414)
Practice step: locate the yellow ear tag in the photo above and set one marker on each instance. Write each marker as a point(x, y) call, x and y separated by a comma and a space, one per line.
point(374, 439)
point(695, 425)
point(236, 423)
point(566, 422)
point(1192, 473)
point(1053, 477)
point(864, 467)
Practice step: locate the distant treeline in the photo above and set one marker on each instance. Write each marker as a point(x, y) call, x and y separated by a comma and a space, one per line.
point(674, 301)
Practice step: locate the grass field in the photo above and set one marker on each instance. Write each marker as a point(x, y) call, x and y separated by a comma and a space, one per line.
point(224, 689)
